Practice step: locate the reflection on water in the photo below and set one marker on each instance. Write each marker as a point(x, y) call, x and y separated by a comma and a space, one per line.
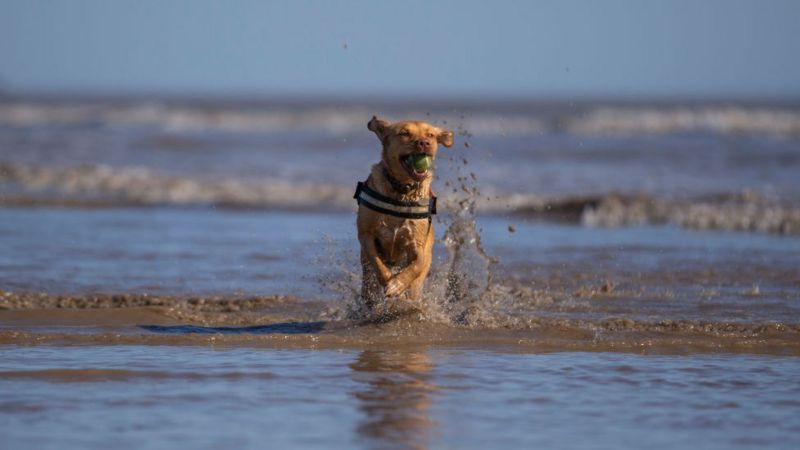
point(220, 396)
point(396, 397)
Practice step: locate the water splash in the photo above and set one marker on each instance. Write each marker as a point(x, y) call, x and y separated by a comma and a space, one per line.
point(340, 279)
point(468, 269)
point(458, 286)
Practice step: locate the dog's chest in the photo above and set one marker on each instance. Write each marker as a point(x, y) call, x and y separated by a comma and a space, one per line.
point(396, 240)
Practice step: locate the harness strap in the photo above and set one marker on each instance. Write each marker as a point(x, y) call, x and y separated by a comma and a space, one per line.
point(383, 204)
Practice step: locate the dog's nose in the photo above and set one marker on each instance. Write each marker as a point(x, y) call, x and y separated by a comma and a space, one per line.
point(423, 144)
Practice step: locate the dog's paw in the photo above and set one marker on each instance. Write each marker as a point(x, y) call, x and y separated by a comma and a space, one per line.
point(395, 287)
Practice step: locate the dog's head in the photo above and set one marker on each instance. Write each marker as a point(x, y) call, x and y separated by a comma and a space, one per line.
point(405, 141)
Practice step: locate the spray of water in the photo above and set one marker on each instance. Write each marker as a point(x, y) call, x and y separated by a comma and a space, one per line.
point(339, 280)
point(458, 289)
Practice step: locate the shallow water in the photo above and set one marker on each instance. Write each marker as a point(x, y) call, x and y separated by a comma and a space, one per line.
point(185, 273)
point(653, 272)
point(218, 397)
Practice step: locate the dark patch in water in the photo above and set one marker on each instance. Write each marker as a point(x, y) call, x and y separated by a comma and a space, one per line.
point(274, 328)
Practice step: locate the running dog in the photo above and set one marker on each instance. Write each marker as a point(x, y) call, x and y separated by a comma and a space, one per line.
point(396, 203)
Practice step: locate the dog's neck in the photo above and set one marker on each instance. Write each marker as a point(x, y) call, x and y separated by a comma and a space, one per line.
point(398, 186)
point(382, 181)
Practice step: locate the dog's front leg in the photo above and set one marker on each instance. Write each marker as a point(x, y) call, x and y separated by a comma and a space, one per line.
point(420, 254)
point(370, 256)
point(400, 282)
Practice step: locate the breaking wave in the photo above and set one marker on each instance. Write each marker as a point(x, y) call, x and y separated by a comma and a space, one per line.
point(101, 185)
point(485, 120)
point(723, 120)
point(105, 186)
point(733, 212)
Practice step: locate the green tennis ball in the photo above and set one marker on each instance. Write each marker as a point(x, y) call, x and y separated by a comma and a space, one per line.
point(422, 162)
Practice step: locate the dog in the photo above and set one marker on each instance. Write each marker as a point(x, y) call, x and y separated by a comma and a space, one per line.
point(395, 205)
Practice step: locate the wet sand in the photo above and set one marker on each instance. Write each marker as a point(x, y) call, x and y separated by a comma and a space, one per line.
point(288, 323)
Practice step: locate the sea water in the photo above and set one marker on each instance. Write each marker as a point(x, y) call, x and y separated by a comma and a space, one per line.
point(180, 272)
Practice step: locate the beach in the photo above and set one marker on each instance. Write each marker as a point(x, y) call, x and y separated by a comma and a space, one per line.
point(186, 272)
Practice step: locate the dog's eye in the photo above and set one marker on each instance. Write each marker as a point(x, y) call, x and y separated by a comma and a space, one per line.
point(430, 135)
point(404, 133)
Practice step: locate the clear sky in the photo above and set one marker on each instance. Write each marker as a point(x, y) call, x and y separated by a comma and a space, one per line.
point(448, 47)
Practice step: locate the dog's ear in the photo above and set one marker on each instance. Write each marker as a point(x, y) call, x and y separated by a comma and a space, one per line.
point(445, 137)
point(378, 126)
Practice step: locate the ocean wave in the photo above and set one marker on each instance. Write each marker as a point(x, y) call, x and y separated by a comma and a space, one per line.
point(584, 119)
point(737, 212)
point(103, 186)
point(745, 211)
point(723, 120)
point(195, 118)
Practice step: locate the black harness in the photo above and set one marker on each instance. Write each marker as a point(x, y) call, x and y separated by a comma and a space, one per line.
point(385, 205)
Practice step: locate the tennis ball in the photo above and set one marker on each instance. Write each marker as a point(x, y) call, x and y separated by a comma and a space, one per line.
point(422, 162)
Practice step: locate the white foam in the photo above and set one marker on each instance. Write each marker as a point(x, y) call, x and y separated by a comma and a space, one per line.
point(724, 120)
point(587, 120)
point(747, 211)
point(140, 185)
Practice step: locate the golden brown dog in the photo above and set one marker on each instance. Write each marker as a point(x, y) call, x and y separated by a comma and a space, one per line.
point(394, 224)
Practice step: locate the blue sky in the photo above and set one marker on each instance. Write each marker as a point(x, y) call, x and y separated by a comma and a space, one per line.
point(509, 48)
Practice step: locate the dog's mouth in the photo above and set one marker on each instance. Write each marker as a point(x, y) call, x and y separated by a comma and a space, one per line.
point(418, 165)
